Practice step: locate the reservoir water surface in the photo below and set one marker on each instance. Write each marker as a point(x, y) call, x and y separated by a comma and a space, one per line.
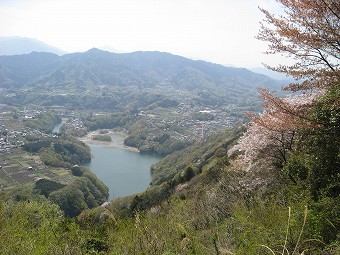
point(124, 171)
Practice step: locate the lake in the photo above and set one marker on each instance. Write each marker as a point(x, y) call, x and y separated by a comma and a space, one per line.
point(124, 171)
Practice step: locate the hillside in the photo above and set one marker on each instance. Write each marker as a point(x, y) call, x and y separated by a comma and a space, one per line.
point(160, 93)
point(212, 205)
point(271, 186)
point(120, 81)
point(143, 69)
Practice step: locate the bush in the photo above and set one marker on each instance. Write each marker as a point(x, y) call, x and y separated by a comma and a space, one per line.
point(45, 187)
point(102, 138)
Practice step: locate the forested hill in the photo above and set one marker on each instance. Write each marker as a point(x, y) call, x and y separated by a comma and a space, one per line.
point(142, 69)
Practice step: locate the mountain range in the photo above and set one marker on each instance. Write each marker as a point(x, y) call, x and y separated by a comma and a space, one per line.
point(102, 80)
point(141, 69)
point(16, 45)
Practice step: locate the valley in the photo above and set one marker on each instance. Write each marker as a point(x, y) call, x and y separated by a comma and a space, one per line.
point(163, 107)
point(144, 153)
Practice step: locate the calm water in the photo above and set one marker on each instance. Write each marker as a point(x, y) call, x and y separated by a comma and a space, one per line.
point(124, 172)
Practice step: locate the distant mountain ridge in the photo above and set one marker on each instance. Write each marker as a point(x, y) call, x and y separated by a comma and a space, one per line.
point(23, 45)
point(143, 69)
point(130, 82)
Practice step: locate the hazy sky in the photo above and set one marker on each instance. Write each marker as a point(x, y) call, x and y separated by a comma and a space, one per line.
point(220, 31)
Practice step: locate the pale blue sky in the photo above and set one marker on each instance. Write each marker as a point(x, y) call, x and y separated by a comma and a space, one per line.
point(219, 31)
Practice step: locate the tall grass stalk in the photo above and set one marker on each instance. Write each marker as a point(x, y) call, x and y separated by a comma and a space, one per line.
point(303, 226)
point(285, 250)
point(287, 231)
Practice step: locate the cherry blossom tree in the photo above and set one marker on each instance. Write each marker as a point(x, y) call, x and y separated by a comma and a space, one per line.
point(309, 33)
point(273, 132)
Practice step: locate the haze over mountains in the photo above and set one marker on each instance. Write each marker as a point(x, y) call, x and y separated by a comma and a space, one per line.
point(16, 45)
point(22, 45)
point(159, 93)
point(272, 74)
point(142, 69)
point(137, 81)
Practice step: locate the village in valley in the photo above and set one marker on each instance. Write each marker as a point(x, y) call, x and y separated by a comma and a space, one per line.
point(183, 122)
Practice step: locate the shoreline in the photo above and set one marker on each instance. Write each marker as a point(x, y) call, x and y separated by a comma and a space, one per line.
point(116, 143)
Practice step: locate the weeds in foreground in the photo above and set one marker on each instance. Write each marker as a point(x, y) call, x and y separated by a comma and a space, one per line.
point(296, 249)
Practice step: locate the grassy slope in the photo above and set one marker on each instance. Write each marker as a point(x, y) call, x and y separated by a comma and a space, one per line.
point(223, 209)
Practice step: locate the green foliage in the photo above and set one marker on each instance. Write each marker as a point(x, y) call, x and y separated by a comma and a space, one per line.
point(45, 187)
point(296, 167)
point(77, 170)
point(37, 228)
point(72, 150)
point(322, 153)
point(155, 234)
point(99, 219)
point(203, 116)
point(221, 210)
point(316, 160)
point(45, 121)
point(101, 192)
point(51, 158)
point(163, 149)
point(197, 156)
point(63, 151)
point(218, 215)
point(134, 140)
point(102, 138)
point(97, 68)
point(110, 121)
point(182, 177)
point(32, 138)
point(83, 193)
point(151, 197)
point(324, 219)
point(20, 193)
point(322, 146)
point(70, 200)
point(188, 174)
point(261, 227)
point(313, 165)
point(148, 142)
point(36, 145)
point(162, 138)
